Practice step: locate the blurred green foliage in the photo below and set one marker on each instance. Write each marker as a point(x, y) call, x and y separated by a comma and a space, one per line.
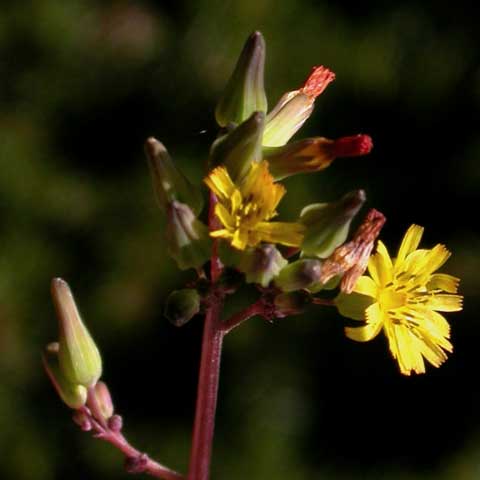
point(82, 84)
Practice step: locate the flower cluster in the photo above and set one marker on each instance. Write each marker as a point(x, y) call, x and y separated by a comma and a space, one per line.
point(251, 156)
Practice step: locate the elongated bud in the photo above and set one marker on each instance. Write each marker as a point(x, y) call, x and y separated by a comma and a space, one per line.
point(188, 241)
point(73, 395)
point(245, 92)
point(351, 259)
point(240, 147)
point(294, 108)
point(79, 358)
point(328, 223)
point(313, 154)
point(169, 183)
point(291, 303)
point(104, 399)
point(182, 306)
point(299, 275)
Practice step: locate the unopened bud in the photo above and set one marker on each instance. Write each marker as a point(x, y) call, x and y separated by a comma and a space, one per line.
point(299, 275)
point(188, 241)
point(240, 147)
point(169, 183)
point(291, 303)
point(327, 224)
point(73, 395)
point(245, 92)
point(351, 259)
point(261, 264)
point(182, 306)
point(103, 399)
point(81, 418)
point(78, 356)
point(115, 423)
point(313, 154)
point(294, 108)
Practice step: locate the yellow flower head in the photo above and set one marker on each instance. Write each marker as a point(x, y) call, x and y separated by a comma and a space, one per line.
point(245, 209)
point(407, 298)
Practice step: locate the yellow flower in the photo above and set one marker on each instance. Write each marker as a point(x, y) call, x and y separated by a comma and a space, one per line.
point(407, 296)
point(245, 209)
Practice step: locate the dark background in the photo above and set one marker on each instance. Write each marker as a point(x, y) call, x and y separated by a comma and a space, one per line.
point(82, 84)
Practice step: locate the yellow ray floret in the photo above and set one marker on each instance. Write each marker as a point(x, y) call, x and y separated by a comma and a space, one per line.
point(245, 209)
point(407, 296)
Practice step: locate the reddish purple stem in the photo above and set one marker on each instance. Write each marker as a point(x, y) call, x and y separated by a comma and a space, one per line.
point(208, 379)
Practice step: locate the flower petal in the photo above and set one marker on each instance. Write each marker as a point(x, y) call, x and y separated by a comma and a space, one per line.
point(445, 302)
point(353, 305)
point(366, 286)
point(220, 183)
point(371, 329)
point(380, 266)
point(410, 242)
point(224, 215)
point(436, 257)
point(364, 333)
point(286, 233)
point(443, 281)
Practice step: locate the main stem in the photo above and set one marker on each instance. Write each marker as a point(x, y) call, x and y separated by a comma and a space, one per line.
point(204, 424)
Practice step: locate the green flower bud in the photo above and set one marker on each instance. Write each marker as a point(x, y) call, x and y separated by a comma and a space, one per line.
point(245, 92)
point(168, 182)
point(188, 241)
point(328, 223)
point(353, 305)
point(182, 306)
point(73, 395)
point(291, 303)
point(240, 147)
point(78, 356)
point(260, 264)
point(299, 274)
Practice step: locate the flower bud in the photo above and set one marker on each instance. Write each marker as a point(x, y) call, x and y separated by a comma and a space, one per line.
point(188, 241)
point(78, 356)
point(182, 306)
point(168, 182)
point(291, 303)
point(313, 154)
point(73, 395)
point(81, 418)
point(245, 93)
point(261, 264)
point(104, 399)
point(328, 223)
point(240, 147)
point(294, 108)
point(351, 259)
point(115, 423)
point(299, 275)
